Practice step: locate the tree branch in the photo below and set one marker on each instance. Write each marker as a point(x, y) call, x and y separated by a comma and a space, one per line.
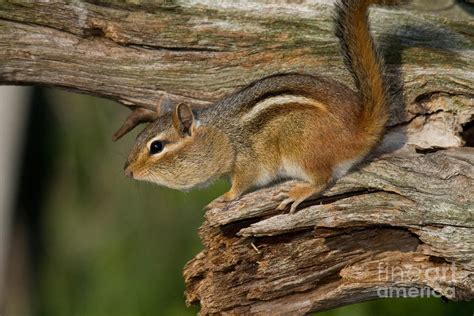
point(389, 224)
point(197, 52)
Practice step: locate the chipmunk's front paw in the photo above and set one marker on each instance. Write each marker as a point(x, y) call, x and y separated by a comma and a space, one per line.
point(230, 196)
point(221, 201)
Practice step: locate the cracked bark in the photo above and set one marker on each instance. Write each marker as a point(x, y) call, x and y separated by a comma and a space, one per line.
point(404, 215)
point(403, 220)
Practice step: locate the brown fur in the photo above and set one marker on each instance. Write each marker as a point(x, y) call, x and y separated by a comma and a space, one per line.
point(283, 126)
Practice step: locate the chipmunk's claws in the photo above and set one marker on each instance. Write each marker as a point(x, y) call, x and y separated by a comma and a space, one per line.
point(284, 204)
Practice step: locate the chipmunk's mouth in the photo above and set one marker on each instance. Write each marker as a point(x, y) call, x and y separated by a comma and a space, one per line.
point(128, 173)
point(131, 171)
point(127, 170)
point(135, 174)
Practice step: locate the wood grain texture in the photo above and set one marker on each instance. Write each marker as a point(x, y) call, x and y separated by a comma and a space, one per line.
point(404, 221)
point(196, 52)
point(404, 215)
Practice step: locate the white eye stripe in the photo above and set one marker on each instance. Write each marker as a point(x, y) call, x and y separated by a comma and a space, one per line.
point(167, 145)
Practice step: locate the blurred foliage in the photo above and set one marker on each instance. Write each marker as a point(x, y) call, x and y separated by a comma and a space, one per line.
point(114, 246)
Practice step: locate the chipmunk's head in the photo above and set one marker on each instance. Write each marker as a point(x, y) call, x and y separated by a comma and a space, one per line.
point(179, 152)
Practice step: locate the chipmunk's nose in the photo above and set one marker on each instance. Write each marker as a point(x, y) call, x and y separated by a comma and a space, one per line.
point(128, 172)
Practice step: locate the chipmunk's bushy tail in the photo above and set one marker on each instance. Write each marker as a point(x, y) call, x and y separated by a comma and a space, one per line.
point(366, 66)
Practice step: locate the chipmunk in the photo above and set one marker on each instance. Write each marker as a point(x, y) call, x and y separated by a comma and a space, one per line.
point(289, 125)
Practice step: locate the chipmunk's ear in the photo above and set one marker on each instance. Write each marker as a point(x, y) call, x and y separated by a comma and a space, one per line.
point(183, 119)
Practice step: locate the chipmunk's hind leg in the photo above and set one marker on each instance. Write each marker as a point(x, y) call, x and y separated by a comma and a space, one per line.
point(299, 193)
point(314, 167)
point(303, 191)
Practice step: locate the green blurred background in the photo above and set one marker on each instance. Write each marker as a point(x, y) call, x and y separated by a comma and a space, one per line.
point(88, 241)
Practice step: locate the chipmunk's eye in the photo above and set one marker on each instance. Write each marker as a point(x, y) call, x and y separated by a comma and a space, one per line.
point(156, 147)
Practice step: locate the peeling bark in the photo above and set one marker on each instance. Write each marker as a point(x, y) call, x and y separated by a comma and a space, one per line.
point(394, 222)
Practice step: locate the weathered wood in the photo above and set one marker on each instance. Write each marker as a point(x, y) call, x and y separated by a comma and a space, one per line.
point(393, 223)
point(196, 52)
point(403, 221)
